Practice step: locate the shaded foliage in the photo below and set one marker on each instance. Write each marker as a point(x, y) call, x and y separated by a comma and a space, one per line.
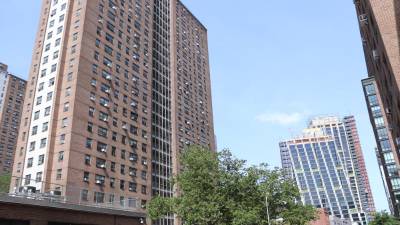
point(383, 218)
point(218, 189)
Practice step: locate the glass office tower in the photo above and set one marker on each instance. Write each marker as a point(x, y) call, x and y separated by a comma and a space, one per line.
point(325, 163)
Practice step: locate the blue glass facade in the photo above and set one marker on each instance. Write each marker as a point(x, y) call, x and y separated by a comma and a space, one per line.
point(323, 166)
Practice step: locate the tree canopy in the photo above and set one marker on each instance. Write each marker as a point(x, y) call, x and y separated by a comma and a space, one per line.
point(383, 218)
point(5, 180)
point(219, 189)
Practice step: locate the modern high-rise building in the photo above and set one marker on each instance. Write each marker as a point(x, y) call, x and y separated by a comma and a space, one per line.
point(327, 163)
point(386, 147)
point(117, 89)
point(379, 27)
point(12, 91)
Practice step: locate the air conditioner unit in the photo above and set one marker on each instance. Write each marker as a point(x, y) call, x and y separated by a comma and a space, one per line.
point(375, 54)
point(363, 18)
point(124, 127)
point(105, 119)
point(103, 166)
point(86, 179)
point(107, 91)
point(145, 136)
point(132, 173)
point(388, 111)
point(133, 104)
point(132, 159)
point(105, 104)
point(108, 77)
point(145, 163)
point(92, 98)
point(103, 150)
point(130, 189)
point(99, 182)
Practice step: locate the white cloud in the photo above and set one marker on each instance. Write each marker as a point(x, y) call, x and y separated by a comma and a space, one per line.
point(281, 118)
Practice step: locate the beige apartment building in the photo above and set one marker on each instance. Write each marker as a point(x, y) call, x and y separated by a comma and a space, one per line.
point(379, 26)
point(12, 91)
point(117, 88)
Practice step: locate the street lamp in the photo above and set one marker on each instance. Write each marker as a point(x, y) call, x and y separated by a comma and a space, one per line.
point(267, 205)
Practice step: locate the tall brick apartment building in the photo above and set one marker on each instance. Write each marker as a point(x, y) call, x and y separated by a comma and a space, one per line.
point(117, 88)
point(12, 91)
point(379, 22)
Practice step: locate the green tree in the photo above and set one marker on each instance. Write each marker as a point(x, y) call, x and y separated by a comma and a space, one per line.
point(218, 189)
point(5, 183)
point(383, 218)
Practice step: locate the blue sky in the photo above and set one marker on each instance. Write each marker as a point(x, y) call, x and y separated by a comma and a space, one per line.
point(275, 64)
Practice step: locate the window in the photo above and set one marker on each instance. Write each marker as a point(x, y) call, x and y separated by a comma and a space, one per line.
point(39, 176)
point(100, 179)
point(47, 111)
point(84, 195)
point(144, 189)
point(87, 160)
point(86, 176)
point(36, 115)
point(30, 162)
point(49, 96)
point(58, 42)
point(55, 54)
point(373, 100)
point(62, 139)
point(144, 175)
point(43, 73)
point(102, 132)
point(39, 100)
point(27, 179)
point(43, 142)
point(103, 116)
point(99, 197)
point(51, 82)
point(100, 163)
point(68, 91)
point(90, 127)
point(61, 18)
point(395, 183)
point(53, 68)
point(45, 60)
point(379, 122)
point(132, 186)
point(112, 167)
point(32, 146)
point(64, 122)
point(112, 182)
point(59, 174)
point(45, 127)
point(51, 24)
point(34, 130)
point(122, 169)
point(89, 143)
point(382, 133)
point(123, 153)
point(66, 107)
point(91, 111)
point(75, 37)
point(122, 184)
point(60, 156)
point(41, 160)
point(388, 157)
point(41, 86)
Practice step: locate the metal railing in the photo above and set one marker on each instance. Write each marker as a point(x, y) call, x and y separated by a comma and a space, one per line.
point(56, 193)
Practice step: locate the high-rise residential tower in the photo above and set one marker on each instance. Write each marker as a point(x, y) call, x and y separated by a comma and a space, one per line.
point(117, 89)
point(379, 27)
point(328, 166)
point(12, 91)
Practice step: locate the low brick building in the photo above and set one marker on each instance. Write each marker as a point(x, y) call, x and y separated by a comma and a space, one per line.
point(25, 211)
